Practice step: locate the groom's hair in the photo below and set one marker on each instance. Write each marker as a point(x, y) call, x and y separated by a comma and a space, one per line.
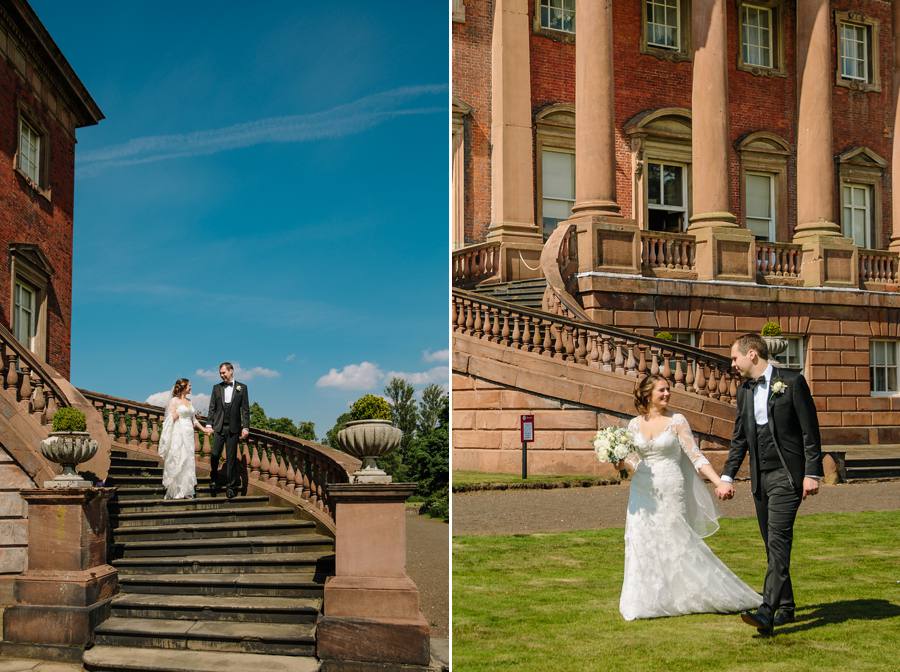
point(227, 365)
point(749, 342)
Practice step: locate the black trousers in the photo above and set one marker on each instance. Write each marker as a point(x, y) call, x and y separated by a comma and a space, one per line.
point(229, 440)
point(776, 509)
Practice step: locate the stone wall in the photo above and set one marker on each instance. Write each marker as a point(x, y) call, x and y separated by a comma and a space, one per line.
point(13, 516)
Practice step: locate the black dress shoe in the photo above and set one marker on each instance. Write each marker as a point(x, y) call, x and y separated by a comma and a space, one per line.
point(783, 616)
point(762, 623)
point(229, 493)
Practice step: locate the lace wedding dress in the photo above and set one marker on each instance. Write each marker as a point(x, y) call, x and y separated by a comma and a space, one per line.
point(176, 448)
point(669, 570)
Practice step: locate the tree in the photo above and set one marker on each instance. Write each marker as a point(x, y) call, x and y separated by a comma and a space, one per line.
point(404, 412)
point(306, 429)
point(258, 417)
point(282, 425)
point(331, 434)
point(303, 429)
point(435, 404)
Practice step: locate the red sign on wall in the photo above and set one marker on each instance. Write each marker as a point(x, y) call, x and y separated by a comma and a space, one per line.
point(526, 426)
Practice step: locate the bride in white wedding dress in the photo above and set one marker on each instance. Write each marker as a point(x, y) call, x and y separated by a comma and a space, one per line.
point(176, 443)
point(669, 570)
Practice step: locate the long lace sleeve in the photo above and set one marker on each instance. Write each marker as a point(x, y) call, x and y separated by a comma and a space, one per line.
point(686, 439)
point(633, 458)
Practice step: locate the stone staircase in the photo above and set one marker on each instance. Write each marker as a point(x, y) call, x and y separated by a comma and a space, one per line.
point(523, 292)
point(872, 462)
point(208, 584)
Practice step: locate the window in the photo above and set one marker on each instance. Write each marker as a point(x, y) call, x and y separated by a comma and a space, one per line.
point(29, 156)
point(684, 337)
point(794, 356)
point(757, 36)
point(857, 47)
point(558, 188)
point(25, 315)
point(663, 24)
point(459, 11)
point(857, 213)
point(558, 15)
point(666, 197)
point(759, 192)
point(461, 112)
point(883, 367)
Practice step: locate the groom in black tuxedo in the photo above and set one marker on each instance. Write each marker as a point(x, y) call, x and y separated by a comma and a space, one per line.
point(229, 418)
point(776, 422)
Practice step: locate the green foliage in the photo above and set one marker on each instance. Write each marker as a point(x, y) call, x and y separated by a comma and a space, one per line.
point(331, 434)
point(665, 335)
point(434, 407)
point(304, 429)
point(370, 407)
point(771, 329)
point(437, 505)
point(258, 417)
point(68, 419)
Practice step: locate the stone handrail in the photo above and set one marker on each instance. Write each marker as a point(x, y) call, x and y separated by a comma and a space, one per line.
point(24, 377)
point(667, 250)
point(878, 266)
point(559, 264)
point(298, 469)
point(778, 259)
point(606, 348)
point(475, 263)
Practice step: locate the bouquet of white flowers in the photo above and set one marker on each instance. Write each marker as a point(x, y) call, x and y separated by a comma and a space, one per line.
point(613, 444)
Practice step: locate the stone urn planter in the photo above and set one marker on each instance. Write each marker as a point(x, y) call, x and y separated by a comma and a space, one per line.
point(368, 440)
point(776, 344)
point(68, 449)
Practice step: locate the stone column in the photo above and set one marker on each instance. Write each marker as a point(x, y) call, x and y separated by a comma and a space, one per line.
point(512, 155)
point(895, 154)
point(67, 588)
point(371, 606)
point(724, 250)
point(606, 241)
point(828, 258)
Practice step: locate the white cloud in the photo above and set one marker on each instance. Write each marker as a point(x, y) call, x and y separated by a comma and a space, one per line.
point(291, 357)
point(240, 373)
point(363, 376)
point(200, 401)
point(339, 121)
point(436, 356)
point(437, 374)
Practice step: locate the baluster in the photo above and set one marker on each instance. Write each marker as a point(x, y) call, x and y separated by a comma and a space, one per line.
point(581, 347)
point(4, 363)
point(679, 373)
point(122, 429)
point(712, 385)
point(144, 419)
point(37, 398)
point(460, 315)
point(111, 422)
point(289, 475)
point(197, 444)
point(732, 390)
point(620, 357)
point(700, 381)
point(547, 346)
point(132, 431)
point(526, 333)
point(642, 361)
point(654, 362)
point(52, 407)
point(470, 320)
point(651, 253)
point(265, 462)
point(569, 343)
point(307, 486)
point(495, 329)
point(667, 367)
point(25, 383)
point(606, 355)
point(689, 366)
point(723, 386)
point(282, 467)
point(254, 458)
point(12, 368)
point(504, 332)
point(313, 481)
point(516, 338)
point(594, 355)
point(559, 347)
point(630, 362)
point(154, 432)
point(478, 333)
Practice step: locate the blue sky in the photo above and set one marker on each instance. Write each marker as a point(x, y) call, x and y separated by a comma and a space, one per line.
point(269, 187)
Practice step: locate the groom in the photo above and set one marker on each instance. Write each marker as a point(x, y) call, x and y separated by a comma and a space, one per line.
point(776, 421)
point(229, 418)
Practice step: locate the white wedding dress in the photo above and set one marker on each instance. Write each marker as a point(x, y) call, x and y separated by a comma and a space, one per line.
point(176, 448)
point(669, 570)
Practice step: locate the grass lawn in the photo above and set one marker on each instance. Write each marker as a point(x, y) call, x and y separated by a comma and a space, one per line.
point(473, 479)
point(551, 602)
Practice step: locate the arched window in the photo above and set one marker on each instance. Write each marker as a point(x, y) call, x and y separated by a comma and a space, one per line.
point(555, 165)
point(764, 180)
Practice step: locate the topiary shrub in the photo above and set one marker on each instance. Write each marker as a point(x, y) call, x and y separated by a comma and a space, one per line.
point(665, 335)
point(771, 329)
point(68, 419)
point(370, 407)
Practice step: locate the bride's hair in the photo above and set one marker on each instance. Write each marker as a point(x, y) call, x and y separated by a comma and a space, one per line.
point(643, 390)
point(180, 386)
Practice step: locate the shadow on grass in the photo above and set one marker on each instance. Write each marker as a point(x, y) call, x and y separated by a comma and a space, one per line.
point(839, 612)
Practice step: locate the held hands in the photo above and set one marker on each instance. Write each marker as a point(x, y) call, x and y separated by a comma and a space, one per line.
point(724, 490)
point(245, 433)
point(810, 487)
point(206, 430)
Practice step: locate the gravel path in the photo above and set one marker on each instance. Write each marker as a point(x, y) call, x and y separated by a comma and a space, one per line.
point(428, 564)
point(564, 509)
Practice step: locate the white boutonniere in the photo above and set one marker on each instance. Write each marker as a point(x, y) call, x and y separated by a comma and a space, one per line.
point(778, 387)
point(237, 387)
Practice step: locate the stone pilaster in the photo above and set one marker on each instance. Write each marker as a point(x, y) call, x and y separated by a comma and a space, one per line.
point(895, 154)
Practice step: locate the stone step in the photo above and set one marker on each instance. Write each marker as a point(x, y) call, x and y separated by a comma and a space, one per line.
point(179, 530)
point(122, 461)
point(282, 584)
point(217, 608)
point(144, 470)
point(858, 473)
point(287, 639)
point(222, 514)
point(147, 480)
point(132, 659)
point(154, 490)
point(872, 462)
point(292, 543)
point(163, 506)
point(320, 562)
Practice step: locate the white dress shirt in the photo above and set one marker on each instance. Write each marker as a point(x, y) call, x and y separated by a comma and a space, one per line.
point(229, 392)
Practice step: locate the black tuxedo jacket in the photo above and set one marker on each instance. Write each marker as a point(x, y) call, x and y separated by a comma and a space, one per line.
point(239, 417)
point(794, 426)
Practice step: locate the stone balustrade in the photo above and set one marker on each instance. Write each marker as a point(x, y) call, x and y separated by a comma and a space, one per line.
point(878, 267)
point(300, 469)
point(778, 260)
point(23, 378)
point(605, 348)
point(666, 251)
point(475, 264)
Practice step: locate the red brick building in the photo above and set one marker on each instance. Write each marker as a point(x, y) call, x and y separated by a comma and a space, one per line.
point(731, 165)
point(42, 103)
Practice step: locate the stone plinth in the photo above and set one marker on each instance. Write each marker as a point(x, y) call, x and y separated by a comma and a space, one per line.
point(372, 619)
point(725, 253)
point(829, 261)
point(66, 590)
point(608, 243)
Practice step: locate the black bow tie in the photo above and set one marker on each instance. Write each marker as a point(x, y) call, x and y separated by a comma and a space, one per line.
point(759, 381)
point(228, 384)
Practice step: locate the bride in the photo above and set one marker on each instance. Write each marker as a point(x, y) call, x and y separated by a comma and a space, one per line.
point(669, 570)
point(176, 443)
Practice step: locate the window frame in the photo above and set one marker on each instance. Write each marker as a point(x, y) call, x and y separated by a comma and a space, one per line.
point(895, 347)
point(685, 208)
point(846, 227)
point(459, 11)
point(764, 152)
point(29, 267)
point(873, 53)
point(553, 33)
point(683, 51)
point(42, 184)
point(802, 341)
point(776, 37)
point(543, 196)
point(773, 202)
point(554, 131)
point(685, 337)
point(863, 166)
point(460, 112)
